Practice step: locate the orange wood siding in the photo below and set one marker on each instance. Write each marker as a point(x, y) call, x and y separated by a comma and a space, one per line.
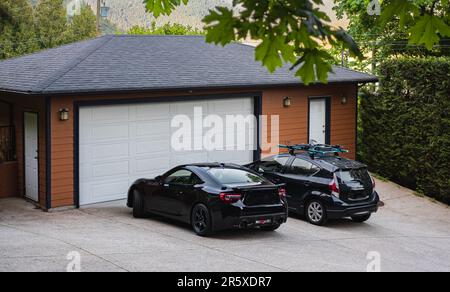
point(23, 104)
point(294, 119)
point(293, 125)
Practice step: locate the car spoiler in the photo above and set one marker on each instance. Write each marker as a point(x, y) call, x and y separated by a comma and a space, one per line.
point(258, 188)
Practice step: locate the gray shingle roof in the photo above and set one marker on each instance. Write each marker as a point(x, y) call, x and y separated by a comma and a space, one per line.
point(135, 63)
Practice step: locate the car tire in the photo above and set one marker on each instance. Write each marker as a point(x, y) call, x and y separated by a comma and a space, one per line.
point(316, 213)
point(361, 219)
point(201, 220)
point(138, 205)
point(270, 228)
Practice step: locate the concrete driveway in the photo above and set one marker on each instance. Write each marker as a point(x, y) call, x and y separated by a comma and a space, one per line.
point(408, 234)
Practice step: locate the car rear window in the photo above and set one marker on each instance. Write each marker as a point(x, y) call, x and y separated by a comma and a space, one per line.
point(352, 175)
point(230, 176)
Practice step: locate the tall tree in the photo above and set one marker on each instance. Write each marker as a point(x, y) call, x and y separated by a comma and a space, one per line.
point(83, 25)
point(17, 34)
point(51, 23)
point(166, 29)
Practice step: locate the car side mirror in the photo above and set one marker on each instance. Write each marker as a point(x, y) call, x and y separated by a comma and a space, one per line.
point(159, 178)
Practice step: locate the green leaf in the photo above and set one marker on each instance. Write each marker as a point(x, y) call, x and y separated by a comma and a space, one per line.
point(314, 66)
point(402, 8)
point(220, 25)
point(162, 7)
point(272, 51)
point(427, 31)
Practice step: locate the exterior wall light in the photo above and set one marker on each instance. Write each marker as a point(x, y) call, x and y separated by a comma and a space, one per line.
point(344, 99)
point(287, 101)
point(63, 114)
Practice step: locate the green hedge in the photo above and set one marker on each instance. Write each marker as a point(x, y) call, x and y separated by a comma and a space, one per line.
point(406, 125)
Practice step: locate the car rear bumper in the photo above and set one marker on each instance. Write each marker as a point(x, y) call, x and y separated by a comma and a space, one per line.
point(336, 211)
point(239, 217)
point(245, 222)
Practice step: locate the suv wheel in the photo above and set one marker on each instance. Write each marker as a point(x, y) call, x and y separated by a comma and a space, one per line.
point(201, 220)
point(316, 213)
point(361, 218)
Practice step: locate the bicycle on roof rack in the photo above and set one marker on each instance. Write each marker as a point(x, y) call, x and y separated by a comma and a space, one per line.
point(315, 150)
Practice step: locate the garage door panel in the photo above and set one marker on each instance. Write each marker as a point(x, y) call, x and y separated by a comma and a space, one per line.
point(110, 169)
point(111, 113)
point(148, 165)
point(155, 111)
point(153, 129)
point(106, 151)
point(120, 144)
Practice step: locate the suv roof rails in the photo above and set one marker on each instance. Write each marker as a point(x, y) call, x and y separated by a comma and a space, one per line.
point(315, 150)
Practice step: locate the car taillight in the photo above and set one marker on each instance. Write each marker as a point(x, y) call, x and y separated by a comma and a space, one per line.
point(334, 186)
point(282, 193)
point(230, 198)
point(373, 183)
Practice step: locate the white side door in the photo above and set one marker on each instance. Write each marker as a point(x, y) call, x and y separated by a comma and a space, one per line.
point(31, 156)
point(317, 120)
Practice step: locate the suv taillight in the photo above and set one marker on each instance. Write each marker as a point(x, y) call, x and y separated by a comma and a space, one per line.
point(334, 186)
point(230, 198)
point(373, 183)
point(282, 193)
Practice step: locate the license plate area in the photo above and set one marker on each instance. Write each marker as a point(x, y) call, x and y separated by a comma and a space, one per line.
point(263, 221)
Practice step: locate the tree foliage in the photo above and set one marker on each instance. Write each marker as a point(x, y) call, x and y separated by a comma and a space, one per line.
point(166, 29)
point(299, 32)
point(26, 29)
point(406, 125)
point(404, 28)
point(291, 32)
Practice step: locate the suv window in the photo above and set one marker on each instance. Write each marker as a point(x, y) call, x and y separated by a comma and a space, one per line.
point(183, 177)
point(303, 167)
point(272, 164)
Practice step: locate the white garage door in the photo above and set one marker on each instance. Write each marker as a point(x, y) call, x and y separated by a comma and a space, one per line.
point(122, 143)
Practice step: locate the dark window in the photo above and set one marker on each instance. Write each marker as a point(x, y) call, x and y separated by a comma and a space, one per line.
point(303, 167)
point(183, 177)
point(360, 175)
point(230, 176)
point(272, 164)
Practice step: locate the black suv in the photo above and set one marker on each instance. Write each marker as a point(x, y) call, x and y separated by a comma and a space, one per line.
point(323, 187)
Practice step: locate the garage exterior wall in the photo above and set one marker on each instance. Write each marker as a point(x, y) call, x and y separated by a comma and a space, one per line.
point(293, 124)
point(22, 104)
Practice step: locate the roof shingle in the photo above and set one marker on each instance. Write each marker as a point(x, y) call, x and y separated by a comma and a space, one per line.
point(137, 63)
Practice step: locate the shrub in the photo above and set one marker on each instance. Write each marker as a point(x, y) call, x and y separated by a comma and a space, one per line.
point(406, 125)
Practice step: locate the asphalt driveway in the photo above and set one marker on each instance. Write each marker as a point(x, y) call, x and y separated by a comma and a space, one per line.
point(408, 234)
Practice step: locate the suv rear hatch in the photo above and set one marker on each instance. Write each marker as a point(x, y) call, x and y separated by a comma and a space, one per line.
point(355, 185)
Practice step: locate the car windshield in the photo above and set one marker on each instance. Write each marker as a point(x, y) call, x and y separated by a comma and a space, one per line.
point(231, 176)
point(360, 175)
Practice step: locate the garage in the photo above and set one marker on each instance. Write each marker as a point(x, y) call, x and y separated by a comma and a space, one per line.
point(102, 112)
point(119, 144)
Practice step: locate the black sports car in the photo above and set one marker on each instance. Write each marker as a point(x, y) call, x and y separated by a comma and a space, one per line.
point(211, 197)
point(324, 187)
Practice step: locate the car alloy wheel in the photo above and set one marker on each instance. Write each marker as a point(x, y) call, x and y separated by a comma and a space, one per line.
point(201, 220)
point(316, 213)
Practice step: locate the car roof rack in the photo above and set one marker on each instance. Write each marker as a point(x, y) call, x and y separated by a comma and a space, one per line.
point(315, 150)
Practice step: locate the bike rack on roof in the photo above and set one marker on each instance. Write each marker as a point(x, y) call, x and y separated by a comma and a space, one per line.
point(315, 150)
